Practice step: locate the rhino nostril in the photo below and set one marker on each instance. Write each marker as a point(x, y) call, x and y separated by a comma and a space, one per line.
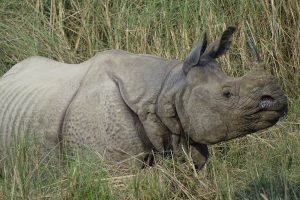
point(266, 101)
point(267, 98)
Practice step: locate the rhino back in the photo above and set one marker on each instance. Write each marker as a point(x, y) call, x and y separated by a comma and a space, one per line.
point(34, 95)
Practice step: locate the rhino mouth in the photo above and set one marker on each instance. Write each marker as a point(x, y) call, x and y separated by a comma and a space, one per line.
point(268, 103)
point(267, 112)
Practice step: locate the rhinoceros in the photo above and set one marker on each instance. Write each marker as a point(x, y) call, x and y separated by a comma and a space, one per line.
point(126, 105)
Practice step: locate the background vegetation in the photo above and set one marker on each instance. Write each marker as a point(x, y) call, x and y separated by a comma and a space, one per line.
point(259, 166)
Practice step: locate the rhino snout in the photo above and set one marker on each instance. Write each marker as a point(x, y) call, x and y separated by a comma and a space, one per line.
point(274, 103)
point(266, 102)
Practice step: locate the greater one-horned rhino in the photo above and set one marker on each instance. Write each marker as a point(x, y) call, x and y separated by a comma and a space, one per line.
point(122, 104)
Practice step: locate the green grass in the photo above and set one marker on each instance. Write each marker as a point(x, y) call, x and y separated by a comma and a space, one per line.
point(259, 166)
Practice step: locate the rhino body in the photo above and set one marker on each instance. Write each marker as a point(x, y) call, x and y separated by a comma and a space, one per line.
point(94, 103)
point(128, 105)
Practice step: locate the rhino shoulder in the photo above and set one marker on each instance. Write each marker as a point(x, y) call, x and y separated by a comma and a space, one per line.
point(138, 76)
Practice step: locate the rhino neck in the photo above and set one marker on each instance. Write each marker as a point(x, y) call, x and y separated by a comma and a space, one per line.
point(165, 106)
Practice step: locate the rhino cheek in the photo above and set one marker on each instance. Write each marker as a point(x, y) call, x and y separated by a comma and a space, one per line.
point(208, 128)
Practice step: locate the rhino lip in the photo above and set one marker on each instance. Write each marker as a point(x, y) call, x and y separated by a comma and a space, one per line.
point(274, 109)
point(268, 103)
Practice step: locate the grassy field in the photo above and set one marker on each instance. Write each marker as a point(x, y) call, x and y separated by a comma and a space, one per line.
point(264, 166)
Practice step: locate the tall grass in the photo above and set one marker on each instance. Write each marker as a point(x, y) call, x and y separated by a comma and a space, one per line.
point(73, 30)
point(261, 166)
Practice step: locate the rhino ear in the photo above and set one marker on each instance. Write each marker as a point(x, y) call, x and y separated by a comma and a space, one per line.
point(193, 59)
point(221, 45)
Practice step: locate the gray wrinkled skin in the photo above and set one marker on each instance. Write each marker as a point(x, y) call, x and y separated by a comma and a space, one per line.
point(123, 105)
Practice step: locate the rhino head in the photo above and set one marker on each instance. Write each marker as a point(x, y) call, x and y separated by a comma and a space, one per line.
point(213, 107)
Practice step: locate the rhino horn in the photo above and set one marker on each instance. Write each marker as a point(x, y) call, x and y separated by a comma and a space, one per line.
point(193, 59)
point(254, 51)
point(258, 65)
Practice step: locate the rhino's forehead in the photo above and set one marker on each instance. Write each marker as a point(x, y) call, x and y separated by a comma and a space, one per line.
point(214, 75)
point(253, 79)
point(210, 74)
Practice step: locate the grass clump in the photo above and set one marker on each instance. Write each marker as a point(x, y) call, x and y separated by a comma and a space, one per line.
point(28, 175)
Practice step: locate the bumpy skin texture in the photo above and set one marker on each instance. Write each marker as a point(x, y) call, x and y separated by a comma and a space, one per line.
point(125, 105)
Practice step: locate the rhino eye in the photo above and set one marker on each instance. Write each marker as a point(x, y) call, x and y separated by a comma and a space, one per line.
point(227, 93)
